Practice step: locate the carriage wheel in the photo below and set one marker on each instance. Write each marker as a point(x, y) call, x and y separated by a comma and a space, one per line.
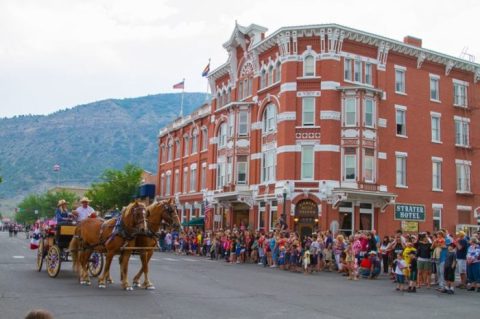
point(95, 264)
point(53, 261)
point(40, 255)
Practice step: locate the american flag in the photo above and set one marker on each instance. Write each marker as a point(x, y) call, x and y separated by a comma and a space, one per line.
point(56, 167)
point(179, 85)
point(206, 211)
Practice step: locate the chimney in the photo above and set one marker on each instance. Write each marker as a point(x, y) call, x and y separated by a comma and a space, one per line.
point(412, 41)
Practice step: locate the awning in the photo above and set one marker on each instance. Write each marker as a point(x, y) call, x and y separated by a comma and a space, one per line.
point(199, 221)
point(378, 198)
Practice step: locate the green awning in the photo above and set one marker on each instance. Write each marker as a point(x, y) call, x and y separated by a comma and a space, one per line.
point(199, 221)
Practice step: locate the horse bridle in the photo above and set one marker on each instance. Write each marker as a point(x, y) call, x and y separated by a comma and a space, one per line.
point(139, 218)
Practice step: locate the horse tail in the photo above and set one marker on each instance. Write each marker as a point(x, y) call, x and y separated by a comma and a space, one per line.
point(73, 247)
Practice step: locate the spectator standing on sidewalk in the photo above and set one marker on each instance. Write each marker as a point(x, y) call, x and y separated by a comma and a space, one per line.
point(462, 246)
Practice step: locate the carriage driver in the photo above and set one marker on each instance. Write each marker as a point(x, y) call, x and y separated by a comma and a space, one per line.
point(84, 211)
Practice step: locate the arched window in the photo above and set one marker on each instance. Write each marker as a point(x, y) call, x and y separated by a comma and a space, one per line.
point(177, 148)
point(263, 78)
point(170, 150)
point(240, 90)
point(222, 135)
point(204, 139)
point(270, 118)
point(270, 75)
point(278, 71)
point(194, 141)
point(309, 66)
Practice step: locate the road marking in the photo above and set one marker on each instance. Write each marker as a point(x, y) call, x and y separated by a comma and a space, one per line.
point(18, 257)
point(189, 259)
point(170, 259)
point(155, 259)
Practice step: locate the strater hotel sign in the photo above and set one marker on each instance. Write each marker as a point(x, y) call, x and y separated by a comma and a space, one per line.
point(410, 212)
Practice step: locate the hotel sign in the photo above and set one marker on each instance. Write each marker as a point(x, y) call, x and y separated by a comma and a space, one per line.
point(410, 212)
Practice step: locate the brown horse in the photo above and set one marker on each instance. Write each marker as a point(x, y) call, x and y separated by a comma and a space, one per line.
point(158, 212)
point(93, 234)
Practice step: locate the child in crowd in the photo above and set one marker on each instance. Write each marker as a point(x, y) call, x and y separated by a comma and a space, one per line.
point(306, 262)
point(449, 270)
point(400, 265)
point(412, 286)
point(281, 258)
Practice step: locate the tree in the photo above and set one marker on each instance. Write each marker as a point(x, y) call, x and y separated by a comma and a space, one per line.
point(117, 188)
point(45, 204)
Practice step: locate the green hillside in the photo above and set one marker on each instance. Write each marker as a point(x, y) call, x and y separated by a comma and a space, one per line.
point(84, 140)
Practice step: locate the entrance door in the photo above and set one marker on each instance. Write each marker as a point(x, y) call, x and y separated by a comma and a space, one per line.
point(305, 230)
point(306, 214)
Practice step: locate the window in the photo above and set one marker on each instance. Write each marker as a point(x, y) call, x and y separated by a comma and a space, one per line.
point(231, 124)
point(185, 145)
point(270, 119)
point(229, 95)
point(369, 165)
point(366, 217)
point(307, 161)
point(462, 132)
point(401, 122)
point(436, 137)
point(240, 90)
point(177, 149)
point(350, 164)
point(434, 88)
point(369, 113)
point(459, 94)
point(273, 214)
point(261, 215)
point(162, 154)
point(309, 66)
point(229, 170)
point(463, 177)
point(194, 141)
point(204, 177)
point(185, 179)
point(437, 218)
point(347, 70)
point(401, 176)
point(368, 74)
point(222, 140)
point(220, 175)
point(242, 169)
point(270, 75)
point(268, 166)
point(176, 181)
point(170, 150)
point(357, 71)
point(350, 112)
point(167, 185)
point(308, 111)
point(243, 123)
point(193, 179)
point(204, 139)
point(263, 78)
point(399, 80)
point(278, 71)
point(162, 185)
point(436, 174)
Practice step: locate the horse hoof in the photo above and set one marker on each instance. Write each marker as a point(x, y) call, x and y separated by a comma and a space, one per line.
point(152, 287)
point(109, 281)
point(129, 288)
point(101, 286)
point(136, 285)
point(83, 282)
point(88, 283)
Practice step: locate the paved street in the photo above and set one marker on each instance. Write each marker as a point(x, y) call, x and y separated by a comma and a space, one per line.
point(194, 287)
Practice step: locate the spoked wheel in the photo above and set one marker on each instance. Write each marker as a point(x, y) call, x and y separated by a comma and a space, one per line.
point(53, 261)
point(95, 264)
point(40, 255)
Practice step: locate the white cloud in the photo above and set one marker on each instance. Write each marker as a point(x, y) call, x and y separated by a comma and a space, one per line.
point(56, 53)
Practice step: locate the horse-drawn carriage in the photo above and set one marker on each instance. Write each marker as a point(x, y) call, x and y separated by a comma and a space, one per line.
point(53, 248)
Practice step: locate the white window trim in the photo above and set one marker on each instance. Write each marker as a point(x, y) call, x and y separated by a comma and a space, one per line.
point(439, 218)
point(271, 211)
point(439, 117)
point(405, 156)
point(373, 112)
point(260, 209)
point(374, 176)
point(404, 109)
point(437, 160)
point(435, 77)
point(303, 111)
point(344, 168)
point(345, 111)
point(404, 71)
point(313, 163)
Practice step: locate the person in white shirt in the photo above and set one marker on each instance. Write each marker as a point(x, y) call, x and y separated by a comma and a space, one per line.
point(84, 211)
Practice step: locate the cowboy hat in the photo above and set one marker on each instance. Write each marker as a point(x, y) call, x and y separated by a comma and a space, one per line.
point(85, 199)
point(61, 202)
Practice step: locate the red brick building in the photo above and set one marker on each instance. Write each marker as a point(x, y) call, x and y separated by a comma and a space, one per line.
point(330, 128)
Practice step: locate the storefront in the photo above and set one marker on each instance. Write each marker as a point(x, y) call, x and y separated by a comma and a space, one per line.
point(306, 217)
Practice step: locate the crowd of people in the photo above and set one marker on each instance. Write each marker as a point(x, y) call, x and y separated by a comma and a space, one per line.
point(412, 261)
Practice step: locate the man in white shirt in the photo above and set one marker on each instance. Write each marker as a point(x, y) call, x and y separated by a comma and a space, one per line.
point(84, 211)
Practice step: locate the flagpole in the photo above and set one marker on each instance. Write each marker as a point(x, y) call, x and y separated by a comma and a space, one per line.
point(206, 94)
point(181, 102)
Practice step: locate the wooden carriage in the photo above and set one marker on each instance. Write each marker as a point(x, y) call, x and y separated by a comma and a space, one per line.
point(53, 248)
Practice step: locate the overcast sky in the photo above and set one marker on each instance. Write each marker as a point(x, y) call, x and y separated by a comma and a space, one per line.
point(56, 54)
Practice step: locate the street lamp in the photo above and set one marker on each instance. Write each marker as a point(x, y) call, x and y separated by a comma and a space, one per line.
point(285, 190)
